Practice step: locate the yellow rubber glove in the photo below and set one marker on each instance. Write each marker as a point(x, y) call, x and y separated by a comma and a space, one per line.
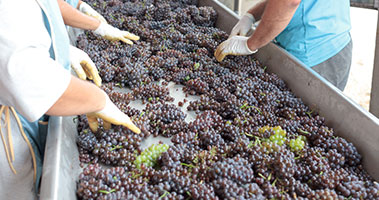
point(88, 10)
point(111, 33)
point(236, 45)
point(243, 26)
point(110, 115)
point(83, 66)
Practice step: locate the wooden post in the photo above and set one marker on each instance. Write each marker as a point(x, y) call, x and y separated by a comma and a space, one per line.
point(374, 99)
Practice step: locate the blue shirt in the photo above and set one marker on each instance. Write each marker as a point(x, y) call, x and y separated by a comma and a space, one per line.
point(318, 30)
point(54, 24)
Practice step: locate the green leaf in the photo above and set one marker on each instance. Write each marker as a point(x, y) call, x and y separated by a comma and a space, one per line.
point(118, 85)
point(248, 134)
point(116, 147)
point(259, 174)
point(107, 192)
point(164, 194)
point(188, 165)
point(187, 78)
point(196, 66)
point(309, 113)
point(269, 177)
point(304, 132)
point(134, 176)
point(75, 119)
point(244, 106)
point(213, 151)
point(273, 183)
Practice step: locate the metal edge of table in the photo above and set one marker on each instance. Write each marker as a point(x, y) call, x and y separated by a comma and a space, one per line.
point(61, 160)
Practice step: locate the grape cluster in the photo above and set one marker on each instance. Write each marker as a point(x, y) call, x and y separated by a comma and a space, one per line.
point(252, 137)
point(149, 156)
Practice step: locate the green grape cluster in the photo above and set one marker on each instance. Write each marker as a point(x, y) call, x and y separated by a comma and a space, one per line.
point(297, 144)
point(150, 155)
point(264, 128)
point(279, 136)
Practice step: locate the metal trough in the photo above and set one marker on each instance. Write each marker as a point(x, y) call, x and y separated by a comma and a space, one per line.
point(349, 120)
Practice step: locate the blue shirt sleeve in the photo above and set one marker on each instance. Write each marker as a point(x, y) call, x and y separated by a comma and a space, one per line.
point(318, 30)
point(73, 3)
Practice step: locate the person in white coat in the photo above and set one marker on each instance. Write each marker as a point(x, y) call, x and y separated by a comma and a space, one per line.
point(35, 80)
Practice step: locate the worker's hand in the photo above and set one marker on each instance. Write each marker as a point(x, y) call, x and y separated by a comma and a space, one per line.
point(83, 66)
point(110, 115)
point(111, 33)
point(88, 10)
point(236, 46)
point(243, 26)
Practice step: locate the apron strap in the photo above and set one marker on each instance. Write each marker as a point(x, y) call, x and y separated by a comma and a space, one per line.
point(10, 153)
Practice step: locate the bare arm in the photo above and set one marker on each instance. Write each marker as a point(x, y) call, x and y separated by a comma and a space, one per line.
point(79, 97)
point(257, 10)
point(73, 17)
point(276, 16)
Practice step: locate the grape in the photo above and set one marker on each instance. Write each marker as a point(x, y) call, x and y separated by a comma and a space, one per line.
point(150, 155)
point(252, 137)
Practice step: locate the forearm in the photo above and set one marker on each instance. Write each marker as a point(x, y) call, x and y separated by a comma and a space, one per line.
point(275, 18)
point(257, 10)
point(80, 97)
point(73, 17)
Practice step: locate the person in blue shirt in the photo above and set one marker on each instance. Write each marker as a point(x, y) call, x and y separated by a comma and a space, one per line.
point(317, 32)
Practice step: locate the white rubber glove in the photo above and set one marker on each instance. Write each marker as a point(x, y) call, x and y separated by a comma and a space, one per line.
point(111, 33)
point(243, 26)
point(88, 10)
point(110, 115)
point(83, 66)
point(236, 46)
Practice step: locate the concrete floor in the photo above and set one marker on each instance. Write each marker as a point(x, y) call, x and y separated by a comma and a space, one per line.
point(363, 33)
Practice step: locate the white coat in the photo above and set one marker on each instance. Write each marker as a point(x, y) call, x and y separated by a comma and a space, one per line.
point(30, 81)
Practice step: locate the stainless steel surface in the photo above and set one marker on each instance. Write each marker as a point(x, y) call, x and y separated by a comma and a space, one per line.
point(61, 167)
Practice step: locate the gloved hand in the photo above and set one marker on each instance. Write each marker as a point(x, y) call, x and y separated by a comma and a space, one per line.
point(110, 115)
point(111, 33)
point(88, 10)
point(236, 46)
point(243, 26)
point(82, 64)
